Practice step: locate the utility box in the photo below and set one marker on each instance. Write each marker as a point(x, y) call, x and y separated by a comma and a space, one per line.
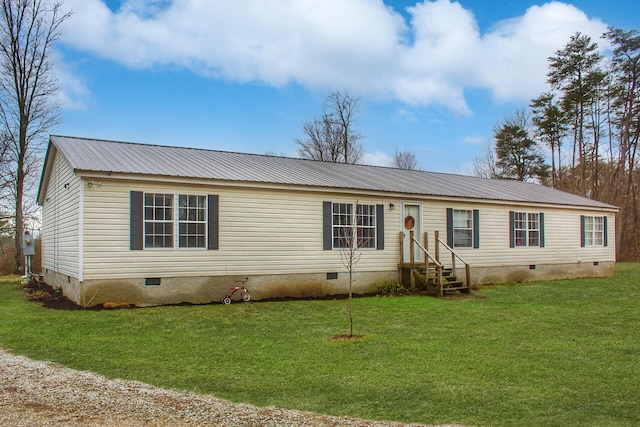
point(28, 245)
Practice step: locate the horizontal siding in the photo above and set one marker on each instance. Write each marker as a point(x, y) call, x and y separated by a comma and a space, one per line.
point(261, 232)
point(280, 232)
point(60, 220)
point(562, 236)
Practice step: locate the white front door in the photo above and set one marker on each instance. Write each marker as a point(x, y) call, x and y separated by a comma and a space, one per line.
point(411, 220)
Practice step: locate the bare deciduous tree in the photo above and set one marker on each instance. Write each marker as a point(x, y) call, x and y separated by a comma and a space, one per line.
point(333, 137)
point(323, 140)
point(404, 160)
point(485, 165)
point(28, 89)
point(344, 107)
point(350, 255)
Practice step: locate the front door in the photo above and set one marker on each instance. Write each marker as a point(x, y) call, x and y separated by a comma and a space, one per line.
point(411, 221)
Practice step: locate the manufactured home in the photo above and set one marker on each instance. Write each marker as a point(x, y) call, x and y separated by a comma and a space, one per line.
point(150, 225)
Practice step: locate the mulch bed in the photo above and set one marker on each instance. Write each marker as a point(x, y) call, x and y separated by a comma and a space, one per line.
point(49, 297)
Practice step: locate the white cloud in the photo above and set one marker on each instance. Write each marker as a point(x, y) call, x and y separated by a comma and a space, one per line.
point(73, 94)
point(516, 50)
point(363, 46)
point(377, 158)
point(475, 140)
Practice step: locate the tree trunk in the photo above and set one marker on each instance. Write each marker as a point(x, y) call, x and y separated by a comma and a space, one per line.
point(350, 303)
point(20, 176)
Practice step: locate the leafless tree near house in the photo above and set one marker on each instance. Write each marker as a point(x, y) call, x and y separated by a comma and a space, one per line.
point(28, 89)
point(484, 165)
point(350, 255)
point(404, 160)
point(333, 137)
point(322, 141)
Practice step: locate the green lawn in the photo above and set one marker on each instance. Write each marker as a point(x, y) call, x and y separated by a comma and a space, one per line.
point(556, 353)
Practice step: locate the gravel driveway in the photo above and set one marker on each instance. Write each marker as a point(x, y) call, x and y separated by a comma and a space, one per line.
point(34, 393)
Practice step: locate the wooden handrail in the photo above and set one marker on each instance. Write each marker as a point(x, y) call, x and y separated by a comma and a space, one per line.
point(428, 257)
point(450, 249)
point(455, 255)
point(426, 252)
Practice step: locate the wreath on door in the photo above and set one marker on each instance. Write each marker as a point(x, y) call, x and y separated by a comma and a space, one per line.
point(409, 222)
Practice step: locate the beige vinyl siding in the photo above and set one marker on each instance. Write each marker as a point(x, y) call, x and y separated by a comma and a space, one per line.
point(561, 233)
point(61, 220)
point(280, 231)
point(261, 232)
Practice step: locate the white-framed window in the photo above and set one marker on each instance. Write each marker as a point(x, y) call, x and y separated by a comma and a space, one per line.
point(342, 225)
point(192, 221)
point(366, 220)
point(175, 220)
point(158, 220)
point(462, 228)
point(594, 230)
point(526, 229)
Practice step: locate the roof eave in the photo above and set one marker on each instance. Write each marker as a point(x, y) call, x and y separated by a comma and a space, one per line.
point(46, 172)
point(265, 184)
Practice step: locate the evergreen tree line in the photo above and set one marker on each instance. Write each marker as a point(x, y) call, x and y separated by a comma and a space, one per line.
point(588, 124)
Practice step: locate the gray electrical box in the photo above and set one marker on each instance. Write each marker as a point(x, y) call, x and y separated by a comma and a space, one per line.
point(28, 246)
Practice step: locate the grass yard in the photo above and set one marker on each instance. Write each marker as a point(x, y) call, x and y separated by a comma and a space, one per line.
point(538, 354)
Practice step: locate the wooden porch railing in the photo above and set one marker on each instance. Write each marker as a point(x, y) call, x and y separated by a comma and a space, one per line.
point(454, 255)
point(428, 259)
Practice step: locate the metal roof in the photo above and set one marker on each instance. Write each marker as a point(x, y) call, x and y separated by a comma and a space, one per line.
point(92, 155)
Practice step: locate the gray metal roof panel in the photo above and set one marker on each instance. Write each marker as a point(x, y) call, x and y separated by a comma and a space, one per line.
point(93, 155)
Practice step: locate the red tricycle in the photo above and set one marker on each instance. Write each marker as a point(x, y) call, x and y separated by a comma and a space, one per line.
point(244, 293)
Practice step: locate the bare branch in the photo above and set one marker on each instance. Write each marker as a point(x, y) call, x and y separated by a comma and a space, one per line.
point(404, 160)
point(333, 137)
point(28, 106)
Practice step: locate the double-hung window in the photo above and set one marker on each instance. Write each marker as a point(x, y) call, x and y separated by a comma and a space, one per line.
point(366, 221)
point(192, 221)
point(594, 230)
point(463, 227)
point(526, 229)
point(341, 220)
point(165, 220)
point(158, 220)
point(342, 224)
point(345, 221)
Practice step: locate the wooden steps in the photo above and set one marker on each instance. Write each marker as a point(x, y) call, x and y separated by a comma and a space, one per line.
point(436, 275)
point(450, 284)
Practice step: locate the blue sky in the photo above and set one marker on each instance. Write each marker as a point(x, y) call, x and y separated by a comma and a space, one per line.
point(434, 77)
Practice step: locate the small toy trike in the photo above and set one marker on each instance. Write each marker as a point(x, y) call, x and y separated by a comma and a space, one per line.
point(244, 293)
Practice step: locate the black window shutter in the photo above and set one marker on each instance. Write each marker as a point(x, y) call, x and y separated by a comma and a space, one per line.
point(450, 227)
point(476, 228)
point(605, 236)
point(213, 222)
point(512, 231)
point(542, 229)
point(327, 235)
point(136, 221)
point(582, 230)
point(379, 227)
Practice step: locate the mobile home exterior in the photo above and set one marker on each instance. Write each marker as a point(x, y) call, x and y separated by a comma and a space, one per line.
point(149, 225)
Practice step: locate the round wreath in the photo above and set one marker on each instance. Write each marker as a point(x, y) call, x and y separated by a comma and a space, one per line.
point(409, 222)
